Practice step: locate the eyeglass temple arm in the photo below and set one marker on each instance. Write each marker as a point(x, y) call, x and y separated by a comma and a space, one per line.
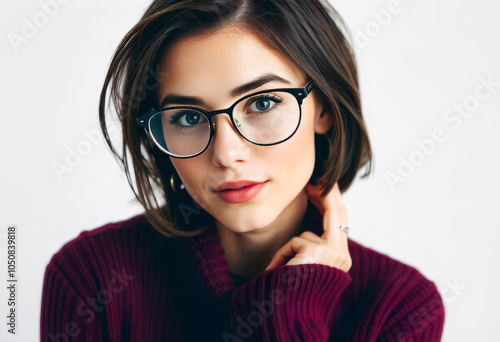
point(143, 119)
point(310, 87)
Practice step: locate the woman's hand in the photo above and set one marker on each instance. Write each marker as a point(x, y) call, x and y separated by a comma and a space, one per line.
point(329, 249)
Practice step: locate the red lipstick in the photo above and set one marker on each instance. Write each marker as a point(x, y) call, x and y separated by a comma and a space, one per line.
point(240, 191)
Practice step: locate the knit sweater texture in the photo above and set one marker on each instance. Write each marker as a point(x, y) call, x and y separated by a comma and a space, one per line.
point(125, 281)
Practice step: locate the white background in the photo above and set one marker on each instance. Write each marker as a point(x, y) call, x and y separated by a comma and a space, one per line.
point(442, 218)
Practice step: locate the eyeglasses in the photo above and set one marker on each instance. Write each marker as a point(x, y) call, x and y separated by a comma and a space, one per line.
point(264, 118)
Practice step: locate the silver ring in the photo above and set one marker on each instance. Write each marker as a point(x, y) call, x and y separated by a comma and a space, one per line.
point(345, 229)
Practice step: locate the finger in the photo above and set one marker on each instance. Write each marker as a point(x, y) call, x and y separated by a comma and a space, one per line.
point(287, 251)
point(333, 198)
point(322, 203)
point(330, 205)
point(308, 235)
point(335, 217)
point(313, 192)
point(333, 236)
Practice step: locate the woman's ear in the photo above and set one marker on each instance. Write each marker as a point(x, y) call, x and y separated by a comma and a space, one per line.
point(324, 120)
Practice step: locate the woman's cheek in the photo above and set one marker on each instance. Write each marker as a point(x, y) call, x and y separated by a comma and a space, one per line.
point(192, 182)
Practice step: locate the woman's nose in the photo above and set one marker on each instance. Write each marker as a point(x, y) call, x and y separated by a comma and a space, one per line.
point(228, 146)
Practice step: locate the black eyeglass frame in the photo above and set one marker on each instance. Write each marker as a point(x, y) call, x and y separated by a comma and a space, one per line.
point(299, 93)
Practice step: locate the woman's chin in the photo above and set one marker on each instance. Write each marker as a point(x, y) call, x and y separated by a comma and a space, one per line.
point(244, 223)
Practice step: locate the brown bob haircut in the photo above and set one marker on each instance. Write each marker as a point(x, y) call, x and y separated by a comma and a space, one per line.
point(307, 33)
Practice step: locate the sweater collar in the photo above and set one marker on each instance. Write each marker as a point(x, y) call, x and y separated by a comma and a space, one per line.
point(210, 264)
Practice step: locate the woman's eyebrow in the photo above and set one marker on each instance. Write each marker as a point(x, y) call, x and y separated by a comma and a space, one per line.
point(196, 101)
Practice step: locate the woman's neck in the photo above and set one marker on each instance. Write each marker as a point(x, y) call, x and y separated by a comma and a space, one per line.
point(248, 254)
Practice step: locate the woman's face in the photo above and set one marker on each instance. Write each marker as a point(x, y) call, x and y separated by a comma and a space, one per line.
point(209, 68)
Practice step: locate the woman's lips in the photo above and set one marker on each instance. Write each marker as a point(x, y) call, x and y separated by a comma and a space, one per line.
point(241, 195)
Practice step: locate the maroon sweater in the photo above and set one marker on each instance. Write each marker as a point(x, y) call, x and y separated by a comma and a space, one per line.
point(127, 282)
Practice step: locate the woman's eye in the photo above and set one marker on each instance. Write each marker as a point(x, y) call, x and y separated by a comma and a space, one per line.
point(191, 118)
point(261, 105)
point(264, 103)
point(186, 119)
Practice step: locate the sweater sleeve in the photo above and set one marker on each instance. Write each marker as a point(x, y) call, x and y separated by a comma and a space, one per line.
point(290, 302)
point(65, 316)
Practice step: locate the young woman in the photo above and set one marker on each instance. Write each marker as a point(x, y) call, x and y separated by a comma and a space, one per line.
point(242, 125)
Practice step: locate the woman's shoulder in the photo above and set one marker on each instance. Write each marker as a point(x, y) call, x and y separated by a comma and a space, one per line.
point(97, 255)
point(93, 278)
point(385, 282)
point(111, 233)
point(379, 267)
point(125, 226)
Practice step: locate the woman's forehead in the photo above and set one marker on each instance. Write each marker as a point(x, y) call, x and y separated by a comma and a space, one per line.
point(222, 60)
